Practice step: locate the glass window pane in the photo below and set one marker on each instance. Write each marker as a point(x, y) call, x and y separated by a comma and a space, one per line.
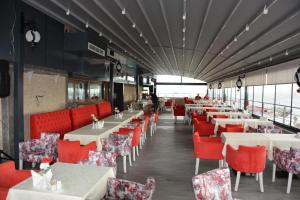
point(238, 98)
point(191, 80)
point(258, 93)
point(269, 94)
point(71, 91)
point(296, 107)
point(257, 104)
point(95, 91)
point(232, 95)
point(242, 97)
point(181, 90)
point(283, 103)
point(249, 103)
point(168, 78)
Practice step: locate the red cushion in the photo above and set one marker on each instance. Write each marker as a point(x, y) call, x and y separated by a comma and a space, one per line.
point(3, 193)
point(54, 122)
point(104, 109)
point(67, 151)
point(82, 116)
point(84, 150)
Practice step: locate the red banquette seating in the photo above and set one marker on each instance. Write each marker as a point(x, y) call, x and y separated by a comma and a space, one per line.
point(82, 116)
point(54, 122)
point(63, 121)
point(104, 109)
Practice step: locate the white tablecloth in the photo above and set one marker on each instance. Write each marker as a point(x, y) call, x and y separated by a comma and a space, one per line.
point(87, 134)
point(230, 114)
point(78, 183)
point(246, 122)
point(282, 141)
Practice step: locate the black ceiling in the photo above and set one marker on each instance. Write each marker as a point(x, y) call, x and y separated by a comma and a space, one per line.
point(209, 51)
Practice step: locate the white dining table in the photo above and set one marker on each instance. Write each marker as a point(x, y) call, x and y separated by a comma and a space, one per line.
point(229, 114)
point(282, 141)
point(89, 134)
point(246, 122)
point(79, 182)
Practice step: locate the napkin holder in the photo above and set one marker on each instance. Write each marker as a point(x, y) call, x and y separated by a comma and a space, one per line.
point(98, 125)
point(41, 181)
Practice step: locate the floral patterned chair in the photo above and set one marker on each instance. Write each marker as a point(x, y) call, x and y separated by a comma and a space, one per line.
point(288, 160)
point(119, 144)
point(101, 158)
point(124, 189)
point(214, 184)
point(268, 129)
point(36, 149)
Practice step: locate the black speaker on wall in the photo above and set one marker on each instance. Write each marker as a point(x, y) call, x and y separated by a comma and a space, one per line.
point(4, 79)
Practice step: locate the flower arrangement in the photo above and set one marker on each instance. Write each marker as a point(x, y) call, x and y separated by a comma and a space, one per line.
point(94, 118)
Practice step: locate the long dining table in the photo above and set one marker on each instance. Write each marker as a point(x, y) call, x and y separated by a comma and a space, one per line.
point(229, 114)
point(88, 134)
point(79, 182)
point(270, 140)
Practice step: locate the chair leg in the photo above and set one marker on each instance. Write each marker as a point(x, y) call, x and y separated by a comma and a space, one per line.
point(288, 190)
point(137, 150)
point(151, 131)
point(141, 145)
point(129, 158)
point(261, 182)
point(220, 163)
point(124, 164)
point(20, 164)
point(133, 153)
point(256, 176)
point(273, 172)
point(237, 181)
point(33, 165)
point(197, 166)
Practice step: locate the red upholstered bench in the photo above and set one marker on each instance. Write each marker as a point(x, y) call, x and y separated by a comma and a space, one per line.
point(54, 122)
point(104, 109)
point(82, 116)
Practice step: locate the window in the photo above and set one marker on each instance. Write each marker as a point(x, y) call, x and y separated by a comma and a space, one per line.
point(191, 80)
point(249, 104)
point(242, 97)
point(81, 92)
point(296, 107)
point(257, 100)
point(233, 96)
point(95, 91)
point(71, 90)
point(283, 103)
point(238, 98)
point(168, 78)
point(181, 90)
point(269, 100)
point(130, 78)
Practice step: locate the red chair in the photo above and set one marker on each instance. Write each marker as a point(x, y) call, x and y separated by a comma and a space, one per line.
point(10, 177)
point(220, 116)
point(249, 160)
point(178, 111)
point(230, 128)
point(72, 152)
point(198, 117)
point(207, 148)
point(203, 128)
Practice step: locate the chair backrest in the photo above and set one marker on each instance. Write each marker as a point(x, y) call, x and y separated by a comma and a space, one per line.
point(55, 122)
point(254, 157)
point(103, 158)
point(196, 141)
point(212, 185)
point(269, 129)
point(72, 152)
point(82, 116)
point(235, 129)
point(7, 170)
point(220, 116)
point(136, 136)
point(104, 109)
point(50, 138)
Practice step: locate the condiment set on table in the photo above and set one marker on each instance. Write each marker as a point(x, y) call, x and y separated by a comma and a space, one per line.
point(96, 123)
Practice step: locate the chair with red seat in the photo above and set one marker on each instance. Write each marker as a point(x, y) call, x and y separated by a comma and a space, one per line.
point(230, 128)
point(247, 159)
point(207, 148)
point(72, 152)
point(9, 177)
point(203, 128)
point(178, 111)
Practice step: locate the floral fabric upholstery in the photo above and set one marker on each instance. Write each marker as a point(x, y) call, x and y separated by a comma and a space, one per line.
point(36, 149)
point(268, 129)
point(288, 160)
point(251, 130)
point(213, 185)
point(124, 189)
point(101, 158)
point(119, 144)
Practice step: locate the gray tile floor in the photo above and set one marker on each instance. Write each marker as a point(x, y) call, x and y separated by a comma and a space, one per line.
point(168, 157)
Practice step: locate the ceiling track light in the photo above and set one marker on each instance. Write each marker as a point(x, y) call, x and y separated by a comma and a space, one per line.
point(266, 10)
point(123, 11)
point(68, 12)
point(259, 63)
point(227, 47)
point(141, 34)
point(183, 39)
point(235, 39)
point(110, 41)
point(146, 41)
point(133, 25)
point(221, 52)
point(270, 59)
point(183, 30)
point(184, 16)
point(100, 34)
point(247, 27)
point(86, 25)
